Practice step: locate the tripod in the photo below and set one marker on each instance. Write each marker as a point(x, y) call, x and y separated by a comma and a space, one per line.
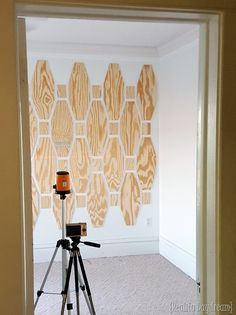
point(80, 282)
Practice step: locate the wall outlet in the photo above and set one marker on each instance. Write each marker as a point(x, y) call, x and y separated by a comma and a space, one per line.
point(149, 221)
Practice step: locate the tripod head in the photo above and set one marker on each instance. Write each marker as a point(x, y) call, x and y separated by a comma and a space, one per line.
point(77, 239)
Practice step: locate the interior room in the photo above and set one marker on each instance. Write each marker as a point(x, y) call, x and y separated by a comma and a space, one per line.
point(115, 103)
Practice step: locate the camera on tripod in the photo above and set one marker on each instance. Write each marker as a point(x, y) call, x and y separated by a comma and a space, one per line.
point(76, 229)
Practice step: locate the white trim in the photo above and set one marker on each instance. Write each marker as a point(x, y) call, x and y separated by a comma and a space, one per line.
point(109, 248)
point(178, 256)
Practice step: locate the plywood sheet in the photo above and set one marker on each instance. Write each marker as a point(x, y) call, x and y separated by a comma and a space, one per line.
point(146, 92)
point(146, 197)
point(113, 128)
point(44, 165)
point(62, 165)
point(45, 202)
point(43, 128)
point(97, 91)
point(130, 92)
point(69, 207)
point(114, 200)
point(130, 164)
point(43, 89)
point(146, 128)
point(97, 165)
point(113, 91)
point(97, 200)
point(130, 199)
point(33, 128)
point(97, 128)
point(80, 129)
point(35, 202)
point(80, 165)
point(81, 201)
point(113, 164)
point(130, 128)
point(146, 164)
point(79, 91)
point(61, 91)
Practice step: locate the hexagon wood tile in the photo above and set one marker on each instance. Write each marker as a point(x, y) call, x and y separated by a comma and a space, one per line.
point(146, 164)
point(43, 89)
point(80, 165)
point(146, 92)
point(104, 144)
point(130, 128)
point(79, 91)
point(97, 200)
point(113, 91)
point(113, 165)
point(130, 199)
point(62, 128)
point(96, 128)
point(44, 165)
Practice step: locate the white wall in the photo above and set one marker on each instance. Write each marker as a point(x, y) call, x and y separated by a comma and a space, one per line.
point(178, 99)
point(116, 238)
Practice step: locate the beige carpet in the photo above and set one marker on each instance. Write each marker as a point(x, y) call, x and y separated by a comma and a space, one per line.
point(130, 285)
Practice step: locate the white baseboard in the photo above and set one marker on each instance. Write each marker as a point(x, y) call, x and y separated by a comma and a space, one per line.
point(109, 248)
point(178, 256)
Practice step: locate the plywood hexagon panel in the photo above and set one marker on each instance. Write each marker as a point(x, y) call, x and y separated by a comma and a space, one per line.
point(146, 92)
point(35, 202)
point(80, 165)
point(97, 200)
point(113, 165)
point(130, 199)
point(62, 128)
point(146, 164)
point(33, 124)
point(97, 128)
point(130, 128)
point(69, 207)
point(79, 91)
point(43, 89)
point(44, 165)
point(113, 91)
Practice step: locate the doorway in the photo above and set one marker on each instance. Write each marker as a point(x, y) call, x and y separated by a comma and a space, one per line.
point(147, 217)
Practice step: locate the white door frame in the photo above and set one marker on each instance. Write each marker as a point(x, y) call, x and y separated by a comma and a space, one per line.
point(208, 132)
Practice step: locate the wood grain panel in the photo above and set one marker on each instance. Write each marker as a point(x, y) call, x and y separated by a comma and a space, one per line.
point(146, 128)
point(130, 199)
point(114, 200)
point(113, 128)
point(80, 129)
point(43, 89)
point(81, 201)
point(113, 165)
point(45, 202)
point(113, 91)
point(44, 165)
point(62, 128)
point(146, 164)
point(97, 91)
point(69, 207)
point(97, 200)
point(33, 124)
point(146, 197)
point(130, 128)
point(96, 128)
point(61, 91)
point(130, 92)
point(97, 165)
point(79, 91)
point(80, 165)
point(62, 165)
point(130, 164)
point(146, 92)
point(43, 128)
point(35, 203)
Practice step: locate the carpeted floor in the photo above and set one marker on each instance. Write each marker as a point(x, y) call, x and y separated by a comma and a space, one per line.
point(130, 285)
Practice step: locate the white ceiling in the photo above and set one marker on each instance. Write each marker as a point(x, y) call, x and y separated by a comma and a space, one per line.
point(100, 32)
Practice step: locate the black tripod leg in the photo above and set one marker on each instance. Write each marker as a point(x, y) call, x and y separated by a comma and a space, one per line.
point(76, 283)
point(86, 283)
point(65, 291)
